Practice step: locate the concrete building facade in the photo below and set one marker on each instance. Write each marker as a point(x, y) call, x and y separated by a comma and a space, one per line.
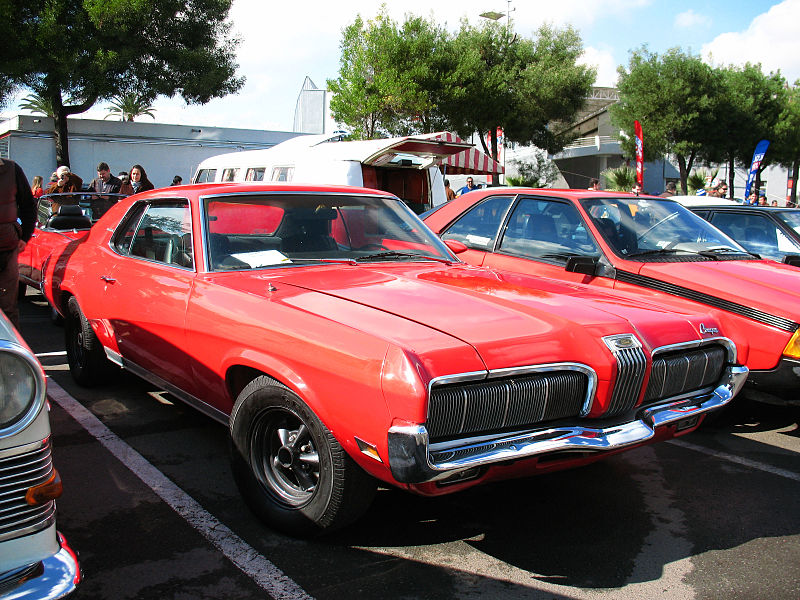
point(163, 150)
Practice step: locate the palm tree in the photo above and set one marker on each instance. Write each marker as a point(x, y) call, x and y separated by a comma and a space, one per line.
point(621, 179)
point(699, 178)
point(129, 105)
point(38, 105)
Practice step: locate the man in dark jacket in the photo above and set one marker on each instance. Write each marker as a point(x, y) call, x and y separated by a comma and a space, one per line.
point(17, 219)
point(105, 183)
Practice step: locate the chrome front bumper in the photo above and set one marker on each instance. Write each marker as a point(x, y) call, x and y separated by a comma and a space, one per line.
point(413, 459)
point(55, 577)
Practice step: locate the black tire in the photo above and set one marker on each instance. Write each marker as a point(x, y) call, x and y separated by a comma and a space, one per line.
point(87, 359)
point(55, 317)
point(291, 471)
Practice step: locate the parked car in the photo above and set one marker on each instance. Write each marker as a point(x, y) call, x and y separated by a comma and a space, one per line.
point(771, 232)
point(35, 560)
point(343, 343)
point(649, 247)
point(54, 232)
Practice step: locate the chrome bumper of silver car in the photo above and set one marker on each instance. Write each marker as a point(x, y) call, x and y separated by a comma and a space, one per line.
point(413, 459)
point(57, 576)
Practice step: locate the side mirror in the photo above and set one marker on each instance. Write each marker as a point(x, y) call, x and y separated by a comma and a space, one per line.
point(582, 264)
point(792, 259)
point(456, 246)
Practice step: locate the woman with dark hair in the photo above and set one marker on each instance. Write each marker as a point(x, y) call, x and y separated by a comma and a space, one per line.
point(137, 182)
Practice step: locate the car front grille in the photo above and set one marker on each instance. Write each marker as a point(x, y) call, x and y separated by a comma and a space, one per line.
point(508, 403)
point(673, 374)
point(17, 474)
point(681, 372)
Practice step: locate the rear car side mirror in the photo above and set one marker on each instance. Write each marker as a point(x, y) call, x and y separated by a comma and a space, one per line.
point(792, 259)
point(582, 264)
point(456, 246)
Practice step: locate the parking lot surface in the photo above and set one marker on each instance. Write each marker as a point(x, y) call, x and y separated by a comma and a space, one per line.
point(151, 506)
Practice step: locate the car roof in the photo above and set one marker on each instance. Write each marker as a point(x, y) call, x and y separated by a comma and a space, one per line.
point(228, 187)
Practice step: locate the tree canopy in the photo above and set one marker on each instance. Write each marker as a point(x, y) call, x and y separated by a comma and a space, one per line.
point(89, 50)
point(419, 78)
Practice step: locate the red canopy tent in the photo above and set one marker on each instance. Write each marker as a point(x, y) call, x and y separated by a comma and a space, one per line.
point(469, 162)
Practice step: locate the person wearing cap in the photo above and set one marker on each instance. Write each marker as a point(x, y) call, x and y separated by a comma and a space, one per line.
point(67, 182)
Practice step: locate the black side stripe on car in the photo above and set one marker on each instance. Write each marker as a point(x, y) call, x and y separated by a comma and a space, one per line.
point(734, 307)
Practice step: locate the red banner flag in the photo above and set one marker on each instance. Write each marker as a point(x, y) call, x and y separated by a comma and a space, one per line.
point(637, 129)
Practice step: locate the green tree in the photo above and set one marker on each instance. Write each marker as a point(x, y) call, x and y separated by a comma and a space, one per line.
point(747, 109)
point(786, 147)
point(619, 179)
point(97, 49)
point(417, 78)
point(130, 105)
point(37, 105)
point(390, 77)
point(520, 85)
point(673, 96)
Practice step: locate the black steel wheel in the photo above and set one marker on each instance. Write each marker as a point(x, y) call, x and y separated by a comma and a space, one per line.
point(291, 470)
point(87, 359)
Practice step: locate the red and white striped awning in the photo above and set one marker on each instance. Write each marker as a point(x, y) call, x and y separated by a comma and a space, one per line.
point(468, 162)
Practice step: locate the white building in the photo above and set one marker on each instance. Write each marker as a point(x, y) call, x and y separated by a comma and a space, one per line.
point(163, 150)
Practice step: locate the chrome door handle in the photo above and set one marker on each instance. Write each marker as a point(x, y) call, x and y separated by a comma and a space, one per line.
point(108, 279)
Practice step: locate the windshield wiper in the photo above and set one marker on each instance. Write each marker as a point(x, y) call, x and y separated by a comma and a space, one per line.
point(334, 261)
point(662, 251)
point(397, 254)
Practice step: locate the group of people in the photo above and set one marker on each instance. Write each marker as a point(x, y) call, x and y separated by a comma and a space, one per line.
point(64, 181)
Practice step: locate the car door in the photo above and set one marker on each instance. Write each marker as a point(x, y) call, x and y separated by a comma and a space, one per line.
point(149, 287)
point(540, 236)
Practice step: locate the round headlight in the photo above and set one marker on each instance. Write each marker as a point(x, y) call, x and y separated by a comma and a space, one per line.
point(18, 387)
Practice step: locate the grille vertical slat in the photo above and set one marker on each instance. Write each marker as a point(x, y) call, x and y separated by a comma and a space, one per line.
point(684, 372)
point(501, 404)
point(631, 367)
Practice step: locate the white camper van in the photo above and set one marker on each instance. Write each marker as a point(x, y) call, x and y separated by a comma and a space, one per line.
point(407, 166)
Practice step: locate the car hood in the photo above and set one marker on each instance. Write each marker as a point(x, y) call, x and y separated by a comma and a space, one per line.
point(510, 319)
point(765, 285)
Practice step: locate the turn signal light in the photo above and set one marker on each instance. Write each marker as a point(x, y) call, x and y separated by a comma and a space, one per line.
point(45, 492)
point(792, 349)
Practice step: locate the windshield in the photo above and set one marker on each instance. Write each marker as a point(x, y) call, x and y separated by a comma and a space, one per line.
point(791, 218)
point(638, 227)
point(251, 231)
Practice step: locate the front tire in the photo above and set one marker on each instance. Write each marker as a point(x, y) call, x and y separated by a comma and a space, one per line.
point(87, 359)
point(290, 469)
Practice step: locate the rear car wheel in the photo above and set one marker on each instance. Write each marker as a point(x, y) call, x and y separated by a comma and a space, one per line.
point(292, 472)
point(87, 359)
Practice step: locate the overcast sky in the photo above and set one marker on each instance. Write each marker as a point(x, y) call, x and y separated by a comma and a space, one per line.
point(282, 43)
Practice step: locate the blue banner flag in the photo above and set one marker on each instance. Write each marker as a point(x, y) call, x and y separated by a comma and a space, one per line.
point(758, 156)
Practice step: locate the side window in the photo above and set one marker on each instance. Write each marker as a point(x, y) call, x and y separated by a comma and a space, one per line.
point(204, 175)
point(544, 228)
point(255, 174)
point(478, 228)
point(229, 174)
point(159, 232)
point(44, 211)
point(282, 173)
point(755, 232)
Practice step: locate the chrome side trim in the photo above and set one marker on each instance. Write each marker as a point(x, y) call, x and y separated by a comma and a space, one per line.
point(184, 397)
point(414, 460)
point(727, 343)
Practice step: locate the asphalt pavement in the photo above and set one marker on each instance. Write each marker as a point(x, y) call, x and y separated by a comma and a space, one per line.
point(152, 509)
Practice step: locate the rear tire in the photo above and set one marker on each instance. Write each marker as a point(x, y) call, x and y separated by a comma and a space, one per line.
point(291, 471)
point(87, 359)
